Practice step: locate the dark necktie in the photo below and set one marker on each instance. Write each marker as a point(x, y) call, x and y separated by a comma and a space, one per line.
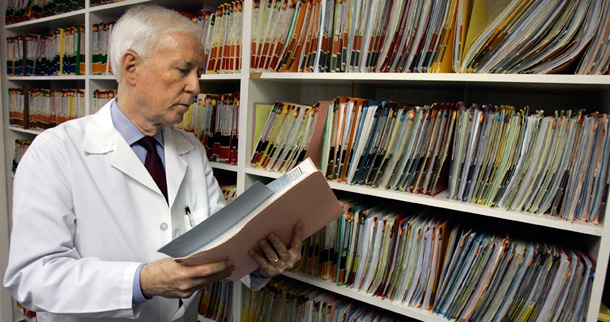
point(153, 163)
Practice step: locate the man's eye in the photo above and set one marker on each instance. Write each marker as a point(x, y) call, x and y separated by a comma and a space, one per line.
point(182, 70)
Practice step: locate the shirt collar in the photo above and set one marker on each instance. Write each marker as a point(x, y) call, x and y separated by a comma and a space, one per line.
point(126, 128)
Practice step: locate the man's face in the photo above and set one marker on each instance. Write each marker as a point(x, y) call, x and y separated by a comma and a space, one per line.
point(169, 79)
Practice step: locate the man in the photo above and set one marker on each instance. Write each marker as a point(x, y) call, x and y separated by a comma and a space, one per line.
point(90, 208)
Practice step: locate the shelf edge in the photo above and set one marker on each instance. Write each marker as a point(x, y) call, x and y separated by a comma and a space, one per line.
point(393, 306)
point(557, 79)
point(440, 201)
point(22, 130)
point(223, 166)
point(42, 20)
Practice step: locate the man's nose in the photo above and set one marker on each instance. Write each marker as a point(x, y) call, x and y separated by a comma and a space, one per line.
point(192, 85)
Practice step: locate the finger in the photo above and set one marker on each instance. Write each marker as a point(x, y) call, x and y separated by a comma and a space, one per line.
point(269, 252)
point(265, 269)
point(297, 237)
point(218, 276)
point(258, 258)
point(279, 246)
point(170, 279)
point(211, 269)
point(198, 283)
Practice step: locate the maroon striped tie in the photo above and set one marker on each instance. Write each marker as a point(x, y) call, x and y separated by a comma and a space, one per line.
point(153, 163)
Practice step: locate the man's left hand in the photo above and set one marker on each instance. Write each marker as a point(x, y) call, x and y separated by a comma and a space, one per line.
point(276, 257)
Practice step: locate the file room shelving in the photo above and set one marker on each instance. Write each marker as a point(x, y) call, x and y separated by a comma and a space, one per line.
point(548, 92)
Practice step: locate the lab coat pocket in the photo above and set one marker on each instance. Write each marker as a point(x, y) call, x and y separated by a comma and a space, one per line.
point(198, 216)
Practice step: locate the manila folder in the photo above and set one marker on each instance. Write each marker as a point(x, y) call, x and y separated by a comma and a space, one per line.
point(310, 201)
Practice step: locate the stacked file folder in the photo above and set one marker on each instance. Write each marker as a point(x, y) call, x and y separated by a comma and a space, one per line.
point(100, 41)
point(213, 119)
point(286, 136)
point(16, 105)
point(467, 36)
point(44, 108)
point(216, 301)
point(389, 145)
point(490, 155)
point(555, 164)
point(19, 11)
point(463, 271)
point(284, 299)
point(58, 53)
point(100, 98)
point(222, 30)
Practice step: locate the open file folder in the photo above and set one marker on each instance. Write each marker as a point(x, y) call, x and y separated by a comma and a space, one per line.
point(301, 195)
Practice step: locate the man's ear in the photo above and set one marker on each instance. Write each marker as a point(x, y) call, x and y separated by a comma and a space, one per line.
point(129, 64)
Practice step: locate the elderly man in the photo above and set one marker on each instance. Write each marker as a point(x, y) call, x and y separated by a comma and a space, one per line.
point(95, 198)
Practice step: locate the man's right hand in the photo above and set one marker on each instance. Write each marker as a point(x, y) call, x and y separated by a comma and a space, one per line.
point(167, 278)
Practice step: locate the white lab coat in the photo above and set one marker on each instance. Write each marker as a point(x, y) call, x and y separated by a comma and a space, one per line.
point(87, 213)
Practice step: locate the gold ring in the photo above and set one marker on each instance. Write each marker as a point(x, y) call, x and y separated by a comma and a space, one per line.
point(276, 260)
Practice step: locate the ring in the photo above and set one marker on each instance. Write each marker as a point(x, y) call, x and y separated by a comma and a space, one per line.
point(276, 260)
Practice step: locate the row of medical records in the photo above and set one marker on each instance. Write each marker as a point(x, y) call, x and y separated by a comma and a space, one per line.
point(100, 98)
point(286, 136)
point(216, 299)
point(555, 164)
point(221, 41)
point(285, 299)
point(491, 155)
point(389, 145)
point(213, 119)
point(100, 40)
point(459, 269)
point(58, 53)
point(222, 30)
point(44, 108)
point(24, 10)
point(517, 36)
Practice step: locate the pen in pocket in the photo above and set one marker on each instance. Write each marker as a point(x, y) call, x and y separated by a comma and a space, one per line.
point(187, 211)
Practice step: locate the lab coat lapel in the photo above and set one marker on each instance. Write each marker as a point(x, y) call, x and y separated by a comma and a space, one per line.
point(101, 137)
point(175, 165)
point(125, 160)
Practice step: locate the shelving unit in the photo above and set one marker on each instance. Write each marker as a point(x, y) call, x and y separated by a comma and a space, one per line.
point(547, 92)
point(88, 82)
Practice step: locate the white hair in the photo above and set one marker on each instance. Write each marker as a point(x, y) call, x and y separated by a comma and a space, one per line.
point(141, 27)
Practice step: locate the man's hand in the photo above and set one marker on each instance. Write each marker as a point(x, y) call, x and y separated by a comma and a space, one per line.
point(167, 278)
point(276, 258)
